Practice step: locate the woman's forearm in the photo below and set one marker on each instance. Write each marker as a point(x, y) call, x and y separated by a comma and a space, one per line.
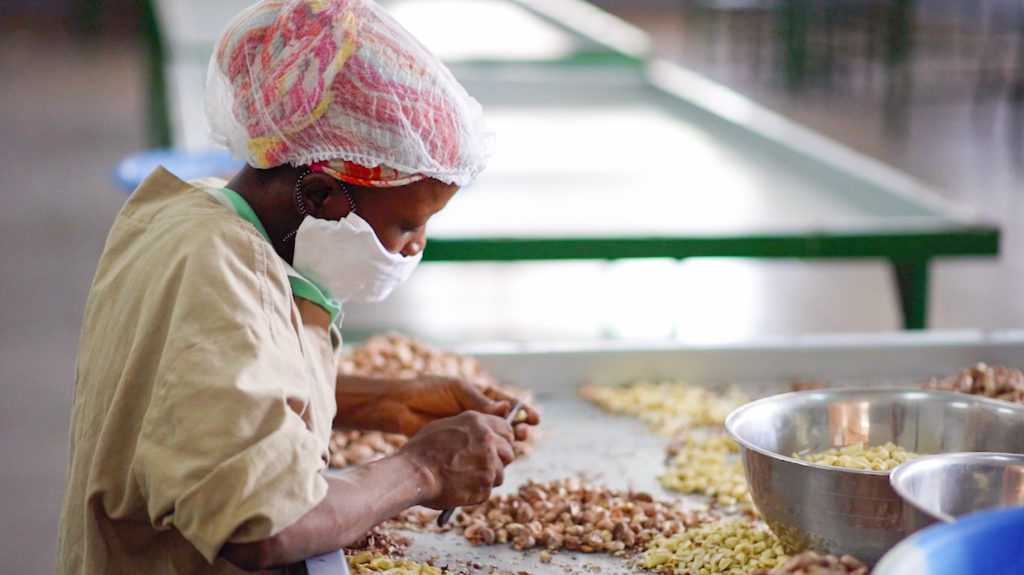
point(367, 403)
point(356, 502)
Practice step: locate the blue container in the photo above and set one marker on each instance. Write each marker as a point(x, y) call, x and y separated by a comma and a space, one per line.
point(186, 164)
point(984, 543)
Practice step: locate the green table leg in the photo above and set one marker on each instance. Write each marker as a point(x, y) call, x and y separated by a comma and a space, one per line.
point(159, 128)
point(912, 283)
point(88, 16)
point(794, 23)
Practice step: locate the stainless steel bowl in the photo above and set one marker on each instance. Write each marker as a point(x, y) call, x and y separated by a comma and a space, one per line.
point(846, 511)
point(945, 486)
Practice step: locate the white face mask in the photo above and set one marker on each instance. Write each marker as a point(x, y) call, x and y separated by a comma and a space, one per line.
point(346, 259)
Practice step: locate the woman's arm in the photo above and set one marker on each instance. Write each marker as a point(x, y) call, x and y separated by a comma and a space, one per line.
point(353, 505)
point(452, 462)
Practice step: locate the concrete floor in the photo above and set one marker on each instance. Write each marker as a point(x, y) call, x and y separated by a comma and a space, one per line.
point(69, 111)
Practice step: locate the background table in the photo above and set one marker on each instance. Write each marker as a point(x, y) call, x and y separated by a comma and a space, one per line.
point(605, 153)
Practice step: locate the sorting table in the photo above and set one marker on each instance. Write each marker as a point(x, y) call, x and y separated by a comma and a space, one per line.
point(605, 153)
point(580, 440)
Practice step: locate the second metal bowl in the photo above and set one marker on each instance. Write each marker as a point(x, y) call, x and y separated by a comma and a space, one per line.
point(945, 486)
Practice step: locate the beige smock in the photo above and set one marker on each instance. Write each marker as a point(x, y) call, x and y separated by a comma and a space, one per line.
point(203, 404)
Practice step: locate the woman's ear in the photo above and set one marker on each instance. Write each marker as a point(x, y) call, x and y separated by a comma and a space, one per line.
point(315, 189)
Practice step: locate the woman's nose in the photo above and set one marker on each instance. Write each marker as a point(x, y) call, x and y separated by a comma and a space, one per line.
point(416, 243)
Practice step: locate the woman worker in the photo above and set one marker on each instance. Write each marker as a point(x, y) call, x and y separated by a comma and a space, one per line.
point(206, 380)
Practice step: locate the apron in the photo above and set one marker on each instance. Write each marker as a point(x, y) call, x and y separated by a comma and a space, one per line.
point(333, 563)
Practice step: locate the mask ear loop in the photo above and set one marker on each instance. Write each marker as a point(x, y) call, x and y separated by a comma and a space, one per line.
point(351, 202)
point(297, 195)
point(302, 205)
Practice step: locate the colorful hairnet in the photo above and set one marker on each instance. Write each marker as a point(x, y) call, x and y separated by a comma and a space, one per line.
point(341, 84)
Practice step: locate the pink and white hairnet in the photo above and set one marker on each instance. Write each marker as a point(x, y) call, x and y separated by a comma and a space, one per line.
point(341, 85)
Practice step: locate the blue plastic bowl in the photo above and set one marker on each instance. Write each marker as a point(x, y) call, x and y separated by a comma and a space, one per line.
point(984, 543)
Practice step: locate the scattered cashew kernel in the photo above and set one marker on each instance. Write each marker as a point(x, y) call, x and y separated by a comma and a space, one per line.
point(667, 406)
point(379, 540)
point(725, 547)
point(708, 465)
point(995, 381)
point(813, 563)
point(573, 515)
point(369, 562)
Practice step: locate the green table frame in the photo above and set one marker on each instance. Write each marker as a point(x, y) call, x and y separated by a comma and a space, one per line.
point(910, 269)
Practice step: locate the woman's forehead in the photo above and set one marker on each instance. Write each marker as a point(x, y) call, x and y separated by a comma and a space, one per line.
point(425, 196)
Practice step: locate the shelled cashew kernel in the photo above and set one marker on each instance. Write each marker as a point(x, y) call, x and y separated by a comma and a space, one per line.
point(724, 547)
point(667, 407)
point(573, 515)
point(877, 458)
point(813, 563)
point(708, 464)
point(369, 562)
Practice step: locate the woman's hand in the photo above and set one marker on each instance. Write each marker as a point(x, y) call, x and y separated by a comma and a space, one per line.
point(430, 398)
point(406, 406)
point(465, 457)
